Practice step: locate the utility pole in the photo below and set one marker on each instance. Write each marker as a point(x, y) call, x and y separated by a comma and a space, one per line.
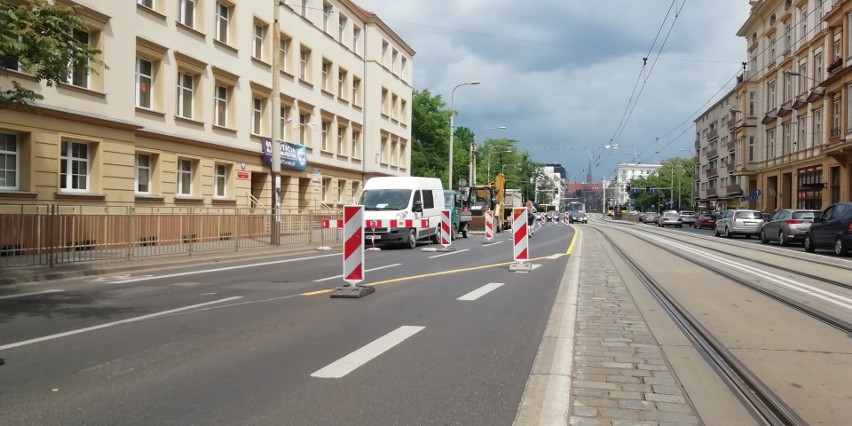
point(275, 162)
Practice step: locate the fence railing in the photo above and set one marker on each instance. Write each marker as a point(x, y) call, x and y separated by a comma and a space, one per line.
point(57, 234)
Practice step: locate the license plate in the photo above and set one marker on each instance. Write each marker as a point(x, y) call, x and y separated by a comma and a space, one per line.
point(374, 237)
point(750, 223)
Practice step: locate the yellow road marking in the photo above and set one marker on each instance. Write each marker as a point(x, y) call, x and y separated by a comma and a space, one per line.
point(454, 271)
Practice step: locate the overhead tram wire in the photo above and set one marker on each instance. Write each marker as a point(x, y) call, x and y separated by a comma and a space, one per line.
point(746, 78)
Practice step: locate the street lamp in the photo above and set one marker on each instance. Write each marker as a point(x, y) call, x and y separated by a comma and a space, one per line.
point(796, 74)
point(452, 128)
point(473, 163)
point(489, 159)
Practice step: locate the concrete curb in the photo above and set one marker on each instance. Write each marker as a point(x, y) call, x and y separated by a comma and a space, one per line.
point(22, 275)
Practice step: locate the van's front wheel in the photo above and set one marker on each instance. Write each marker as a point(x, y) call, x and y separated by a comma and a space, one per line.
point(412, 238)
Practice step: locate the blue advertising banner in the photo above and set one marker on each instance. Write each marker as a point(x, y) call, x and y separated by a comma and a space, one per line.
point(293, 156)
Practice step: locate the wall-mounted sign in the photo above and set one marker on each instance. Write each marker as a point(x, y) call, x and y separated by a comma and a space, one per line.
point(293, 157)
point(243, 175)
point(752, 197)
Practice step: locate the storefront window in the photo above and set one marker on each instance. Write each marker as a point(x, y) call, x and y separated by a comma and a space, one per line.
point(809, 194)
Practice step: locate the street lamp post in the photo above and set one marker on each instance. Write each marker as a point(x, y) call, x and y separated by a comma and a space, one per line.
point(473, 162)
point(452, 129)
point(275, 161)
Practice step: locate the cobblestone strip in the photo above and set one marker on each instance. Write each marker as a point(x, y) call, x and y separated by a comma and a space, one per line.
point(621, 376)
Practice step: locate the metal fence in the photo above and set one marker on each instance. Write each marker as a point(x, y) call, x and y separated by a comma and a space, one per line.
point(58, 234)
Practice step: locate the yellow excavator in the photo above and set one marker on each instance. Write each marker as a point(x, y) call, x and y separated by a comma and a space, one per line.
point(484, 198)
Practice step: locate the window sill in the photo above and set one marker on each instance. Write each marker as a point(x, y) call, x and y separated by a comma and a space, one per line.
point(356, 107)
point(287, 75)
point(261, 63)
point(342, 101)
point(224, 129)
point(192, 31)
point(149, 11)
point(180, 119)
point(224, 200)
point(19, 75)
point(226, 46)
point(12, 193)
point(188, 199)
point(83, 90)
point(327, 94)
point(306, 84)
point(149, 197)
point(146, 111)
point(79, 195)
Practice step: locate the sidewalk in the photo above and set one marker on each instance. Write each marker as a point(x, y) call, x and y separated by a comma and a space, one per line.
point(620, 371)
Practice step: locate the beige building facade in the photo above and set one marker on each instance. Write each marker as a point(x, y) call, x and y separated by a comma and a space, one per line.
point(182, 111)
point(789, 119)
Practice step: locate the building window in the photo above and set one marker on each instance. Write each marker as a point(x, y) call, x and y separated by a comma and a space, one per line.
point(325, 126)
point(356, 39)
point(356, 144)
point(259, 40)
point(284, 48)
point(384, 101)
point(303, 125)
point(326, 186)
point(817, 139)
point(221, 108)
point(326, 70)
point(285, 122)
point(220, 183)
point(186, 94)
point(751, 149)
point(326, 16)
point(341, 140)
point(74, 166)
point(818, 67)
point(257, 115)
point(9, 161)
point(835, 120)
point(341, 187)
point(384, 149)
point(223, 22)
point(809, 190)
point(341, 83)
point(303, 9)
point(147, 3)
point(394, 55)
point(770, 144)
point(384, 53)
point(144, 80)
point(835, 185)
point(849, 107)
point(143, 173)
point(79, 75)
point(786, 134)
point(801, 143)
point(356, 91)
point(186, 13)
point(304, 64)
point(770, 96)
point(184, 176)
point(788, 86)
point(341, 29)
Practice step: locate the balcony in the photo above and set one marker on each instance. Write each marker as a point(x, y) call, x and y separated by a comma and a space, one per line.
point(713, 172)
point(730, 166)
point(733, 189)
point(835, 64)
point(732, 144)
point(711, 193)
point(713, 134)
point(732, 123)
point(713, 153)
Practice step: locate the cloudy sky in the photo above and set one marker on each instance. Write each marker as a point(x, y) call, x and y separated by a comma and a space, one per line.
point(559, 74)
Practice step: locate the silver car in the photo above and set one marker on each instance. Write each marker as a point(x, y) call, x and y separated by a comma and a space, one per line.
point(788, 225)
point(670, 219)
point(739, 222)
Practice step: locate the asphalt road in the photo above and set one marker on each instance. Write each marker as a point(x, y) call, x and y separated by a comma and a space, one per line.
point(446, 338)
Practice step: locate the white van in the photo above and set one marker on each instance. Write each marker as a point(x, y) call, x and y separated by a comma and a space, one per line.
point(402, 197)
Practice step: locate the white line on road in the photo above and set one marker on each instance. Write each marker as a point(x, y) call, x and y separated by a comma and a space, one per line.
point(35, 293)
point(485, 244)
point(367, 270)
point(447, 254)
point(349, 363)
point(110, 324)
point(481, 291)
point(227, 268)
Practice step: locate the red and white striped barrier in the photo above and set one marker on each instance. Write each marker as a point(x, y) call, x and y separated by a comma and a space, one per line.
point(353, 244)
point(489, 225)
point(520, 235)
point(331, 223)
point(387, 223)
point(446, 228)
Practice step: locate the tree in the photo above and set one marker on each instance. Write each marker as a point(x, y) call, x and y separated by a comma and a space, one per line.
point(38, 37)
point(430, 136)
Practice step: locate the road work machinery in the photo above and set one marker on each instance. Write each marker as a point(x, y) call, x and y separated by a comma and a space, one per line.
point(485, 198)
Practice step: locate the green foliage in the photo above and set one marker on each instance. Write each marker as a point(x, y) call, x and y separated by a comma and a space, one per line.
point(38, 35)
point(675, 175)
point(430, 134)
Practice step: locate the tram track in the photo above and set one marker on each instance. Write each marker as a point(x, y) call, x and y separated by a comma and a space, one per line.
point(765, 403)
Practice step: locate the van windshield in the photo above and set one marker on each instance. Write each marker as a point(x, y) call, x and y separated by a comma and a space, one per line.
point(385, 199)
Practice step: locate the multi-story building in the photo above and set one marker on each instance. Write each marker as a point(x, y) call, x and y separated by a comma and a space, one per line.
point(791, 118)
point(716, 186)
point(181, 115)
point(624, 173)
point(556, 173)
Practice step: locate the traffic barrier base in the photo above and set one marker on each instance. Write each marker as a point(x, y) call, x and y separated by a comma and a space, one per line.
point(520, 266)
point(351, 291)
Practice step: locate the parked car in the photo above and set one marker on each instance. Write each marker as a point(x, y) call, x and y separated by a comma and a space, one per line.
point(739, 222)
point(651, 217)
point(578, 216)
point(687, 217)
point(705, 220)
point(832, 230)
point(670, 219)
point(787, 225)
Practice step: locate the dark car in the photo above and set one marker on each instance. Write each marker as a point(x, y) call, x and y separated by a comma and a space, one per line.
point(832, 230)
point(705, 220)
point(787, 225)
point(578, 216)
